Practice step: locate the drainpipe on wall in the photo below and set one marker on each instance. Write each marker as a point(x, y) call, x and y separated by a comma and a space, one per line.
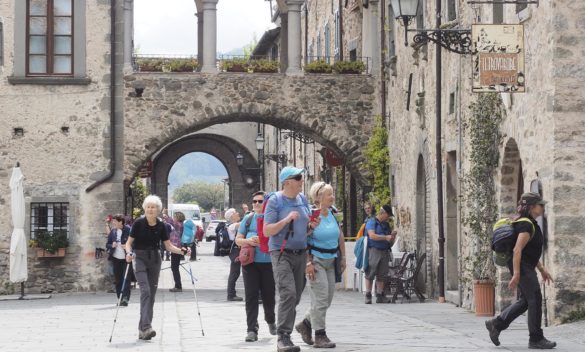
point(306, 32)
point(112, 164)
point(340, 9)
point(382, 60)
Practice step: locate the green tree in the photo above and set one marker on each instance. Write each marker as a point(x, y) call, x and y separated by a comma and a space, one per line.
point(206, 195)
point(140, 192)
point(378, 165)
point(249, 48)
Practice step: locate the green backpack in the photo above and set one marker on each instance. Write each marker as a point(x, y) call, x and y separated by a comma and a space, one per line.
point(504, 239)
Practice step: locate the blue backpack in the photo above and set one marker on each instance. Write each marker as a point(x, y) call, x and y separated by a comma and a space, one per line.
point(361, 254)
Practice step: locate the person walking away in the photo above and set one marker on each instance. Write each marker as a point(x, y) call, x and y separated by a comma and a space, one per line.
point(286, 222)
point(188, 237)
point(258, 276)
point(233, 223)
point(142, 250)
point(175, 237)
point(324, 242)
point(117, 255)
point(526, 258)
point(380, 237)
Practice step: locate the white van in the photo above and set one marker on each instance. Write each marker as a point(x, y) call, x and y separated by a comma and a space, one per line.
point(191, 211)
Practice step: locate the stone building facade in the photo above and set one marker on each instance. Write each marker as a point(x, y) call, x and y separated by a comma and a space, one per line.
point(82, 137)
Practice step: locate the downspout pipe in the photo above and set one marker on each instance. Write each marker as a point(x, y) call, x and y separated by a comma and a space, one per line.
point(383, 58)
point(112, 163)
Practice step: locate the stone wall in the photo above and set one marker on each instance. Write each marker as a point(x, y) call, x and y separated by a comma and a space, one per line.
point(545, 124)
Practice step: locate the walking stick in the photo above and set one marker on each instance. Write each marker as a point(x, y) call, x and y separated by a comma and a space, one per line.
point(196, 301)
point(289, 233)
point(120, 299)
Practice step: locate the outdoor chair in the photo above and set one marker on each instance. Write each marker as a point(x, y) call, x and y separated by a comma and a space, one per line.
point(397, 272)
point(407, 285)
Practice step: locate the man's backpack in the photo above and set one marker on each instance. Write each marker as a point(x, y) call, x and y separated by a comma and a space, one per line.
point(223, 239)
point(260, 219)
point(504, 239)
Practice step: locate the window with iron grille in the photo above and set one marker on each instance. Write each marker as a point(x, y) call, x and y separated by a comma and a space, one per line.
point(48, 217)
point(49, 33)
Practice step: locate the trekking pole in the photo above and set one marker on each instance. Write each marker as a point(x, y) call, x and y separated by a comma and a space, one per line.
point(196, 300)
point(120, 299)
point(288, 234)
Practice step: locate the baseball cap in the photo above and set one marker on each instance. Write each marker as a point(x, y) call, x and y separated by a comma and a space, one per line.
point(531, 198)
point(388, 209)
point(288, 172)
point(229, 213)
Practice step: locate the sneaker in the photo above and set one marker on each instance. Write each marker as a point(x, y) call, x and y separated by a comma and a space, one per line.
point(235, 299)
point(542, 344)
point(176, 289)
point(146, 334)
point(124, 302)
point(368, 298)
point(494, 333)
point(322, 341)
point(304, 329)
point(381, 298)
point(272, 329)
point(284, 344)
point(251, 336)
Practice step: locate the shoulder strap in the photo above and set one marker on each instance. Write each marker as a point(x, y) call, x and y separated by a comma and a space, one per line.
point(248, 222)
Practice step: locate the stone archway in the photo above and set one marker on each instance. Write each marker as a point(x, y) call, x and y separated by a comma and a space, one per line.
point(511, 188)
point(243, 180)
point(423, 227)
point(337, 111)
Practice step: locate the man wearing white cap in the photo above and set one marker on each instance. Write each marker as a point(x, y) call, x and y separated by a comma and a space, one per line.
point(286, 222)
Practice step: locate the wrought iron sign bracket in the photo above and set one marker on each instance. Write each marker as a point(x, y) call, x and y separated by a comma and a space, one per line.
point(455, 40)
point(298, 136)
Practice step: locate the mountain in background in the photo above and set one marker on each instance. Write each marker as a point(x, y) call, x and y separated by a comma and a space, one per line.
point(196, 167)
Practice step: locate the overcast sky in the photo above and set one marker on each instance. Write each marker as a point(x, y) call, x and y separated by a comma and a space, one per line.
point(170, 27)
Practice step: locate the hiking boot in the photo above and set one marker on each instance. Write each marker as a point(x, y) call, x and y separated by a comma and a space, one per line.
point(235, 299)
point(272, 329)
point(176, 289)
point(124, 302)
point(304, 328)
point(322, 341)
point(381, 298)
point(494, 332)
point(252, 336)
point(368, 298)
point(146, 334)
point(542, 344)
point(284, 344)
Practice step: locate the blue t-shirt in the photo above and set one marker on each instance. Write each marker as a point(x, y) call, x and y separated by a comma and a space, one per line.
point(188, 231)
point(380, 228)
point(325, 236)
point(259, 256)
point(274, 214)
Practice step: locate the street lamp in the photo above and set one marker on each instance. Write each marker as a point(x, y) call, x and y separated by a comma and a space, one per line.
point(406, 10)
point(240, 158)
point(259, 142)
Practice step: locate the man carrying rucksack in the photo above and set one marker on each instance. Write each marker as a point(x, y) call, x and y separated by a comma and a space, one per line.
point(286, 223)
point(525, 259)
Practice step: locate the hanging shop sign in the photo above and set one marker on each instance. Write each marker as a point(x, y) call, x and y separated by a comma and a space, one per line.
point(332, 158)
point(498, 58)
point(146, 170)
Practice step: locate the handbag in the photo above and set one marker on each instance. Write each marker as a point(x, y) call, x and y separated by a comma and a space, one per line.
point(246, 255)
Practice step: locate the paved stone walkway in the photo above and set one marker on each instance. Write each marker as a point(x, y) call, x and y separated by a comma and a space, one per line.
point(83, 322)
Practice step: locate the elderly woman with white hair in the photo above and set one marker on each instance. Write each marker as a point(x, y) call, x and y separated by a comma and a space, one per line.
point(142, 248)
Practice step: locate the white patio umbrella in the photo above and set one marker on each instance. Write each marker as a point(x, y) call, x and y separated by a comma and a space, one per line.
point(18, 248)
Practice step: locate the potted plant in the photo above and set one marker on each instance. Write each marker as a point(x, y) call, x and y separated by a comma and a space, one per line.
point(264, 66)
point(319, 66)
point(50, 243)
point(481, 198)
point(150, 65)
point(235, 65)
point(183, 65)
point(349, 67)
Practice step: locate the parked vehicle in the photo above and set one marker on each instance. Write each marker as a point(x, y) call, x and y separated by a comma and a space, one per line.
point(191, 211)
point(210, 231)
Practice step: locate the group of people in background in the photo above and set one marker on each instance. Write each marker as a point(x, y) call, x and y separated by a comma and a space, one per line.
point(306, 249)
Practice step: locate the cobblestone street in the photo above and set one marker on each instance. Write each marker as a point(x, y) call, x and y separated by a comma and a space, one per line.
point(75, 322)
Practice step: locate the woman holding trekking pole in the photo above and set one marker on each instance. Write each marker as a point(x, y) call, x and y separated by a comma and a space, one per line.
point(142, 248)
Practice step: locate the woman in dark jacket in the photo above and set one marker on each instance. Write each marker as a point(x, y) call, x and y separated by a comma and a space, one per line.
point(115, 246)
point(523, 265)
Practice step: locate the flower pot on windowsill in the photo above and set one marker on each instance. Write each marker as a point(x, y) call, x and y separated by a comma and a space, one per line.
point(43, 253)
point(484, 298)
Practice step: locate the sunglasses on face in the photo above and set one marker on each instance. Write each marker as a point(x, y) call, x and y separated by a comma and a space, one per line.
point(296, 178)
point(258, 201)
